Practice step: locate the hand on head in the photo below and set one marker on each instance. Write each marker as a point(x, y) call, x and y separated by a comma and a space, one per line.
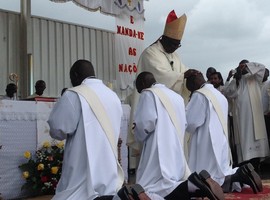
point(191, 72)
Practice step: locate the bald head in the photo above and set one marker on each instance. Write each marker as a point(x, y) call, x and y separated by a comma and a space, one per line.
point(80, 70)
point(144, 80)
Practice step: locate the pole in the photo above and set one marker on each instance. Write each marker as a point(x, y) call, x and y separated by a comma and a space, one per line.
point(25, 48)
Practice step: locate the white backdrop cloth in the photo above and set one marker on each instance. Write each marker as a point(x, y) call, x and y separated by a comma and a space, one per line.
point(24, 127)
point(111, 7)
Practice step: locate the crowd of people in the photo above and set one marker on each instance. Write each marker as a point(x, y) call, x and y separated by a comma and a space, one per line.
point(194, 137)
point(247, 117)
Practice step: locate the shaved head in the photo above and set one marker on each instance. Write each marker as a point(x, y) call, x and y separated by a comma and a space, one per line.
point(80, 70)
point(144, 80)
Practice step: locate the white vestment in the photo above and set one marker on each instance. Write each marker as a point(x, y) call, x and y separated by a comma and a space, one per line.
point(167, 69)
point(89, 166)
point(209, 147)
point(162, 165)
point(252, 140)
point(266, 97)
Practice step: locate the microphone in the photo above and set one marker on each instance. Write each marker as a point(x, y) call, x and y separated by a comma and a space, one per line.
point(171, 63)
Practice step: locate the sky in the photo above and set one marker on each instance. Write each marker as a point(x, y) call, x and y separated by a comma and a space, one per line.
point(218, 33)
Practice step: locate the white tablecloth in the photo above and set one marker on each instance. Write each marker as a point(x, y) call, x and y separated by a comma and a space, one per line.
point(23, 127)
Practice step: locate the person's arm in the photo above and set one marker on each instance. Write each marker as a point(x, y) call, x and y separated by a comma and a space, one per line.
point(156, 62)
point(65, 116)
point(230, 75)
point(257, 70)
point(230, 90)
point(145, 116)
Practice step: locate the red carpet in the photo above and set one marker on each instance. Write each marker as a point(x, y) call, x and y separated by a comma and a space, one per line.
point(247, 194)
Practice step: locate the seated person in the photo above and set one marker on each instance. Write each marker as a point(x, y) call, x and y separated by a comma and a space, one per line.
point(40, 86)
point(11, 90)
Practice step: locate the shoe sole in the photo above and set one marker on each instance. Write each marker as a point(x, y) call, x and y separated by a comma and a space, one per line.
point(123, 193)
point(212, 185)
point(254, 176)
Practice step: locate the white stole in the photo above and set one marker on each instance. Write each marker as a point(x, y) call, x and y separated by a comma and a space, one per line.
point(100, 113)
point(219, 112)
point(257, 111)
point(169, 107)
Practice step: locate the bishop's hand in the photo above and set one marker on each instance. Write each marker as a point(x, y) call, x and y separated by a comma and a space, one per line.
point(191, 72)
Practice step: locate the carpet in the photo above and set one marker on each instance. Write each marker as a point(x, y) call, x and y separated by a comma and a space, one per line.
point(247, 193)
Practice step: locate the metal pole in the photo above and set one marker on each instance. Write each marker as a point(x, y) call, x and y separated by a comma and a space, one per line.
point(25, 48)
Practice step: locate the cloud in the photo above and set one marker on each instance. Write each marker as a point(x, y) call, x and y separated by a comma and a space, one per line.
point(221, 33)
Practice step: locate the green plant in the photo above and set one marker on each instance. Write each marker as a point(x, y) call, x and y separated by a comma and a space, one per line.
point(43, 170)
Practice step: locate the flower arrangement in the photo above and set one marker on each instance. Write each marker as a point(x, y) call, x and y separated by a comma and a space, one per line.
point(43, 172)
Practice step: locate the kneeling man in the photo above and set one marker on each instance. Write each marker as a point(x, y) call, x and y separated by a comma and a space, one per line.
point(207, 113)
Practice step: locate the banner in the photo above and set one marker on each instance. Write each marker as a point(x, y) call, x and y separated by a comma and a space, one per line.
point(111, 7)
point(129, 44)
point(129, 37)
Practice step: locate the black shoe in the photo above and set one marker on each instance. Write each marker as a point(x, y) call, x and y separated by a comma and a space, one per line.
point(207, 186)
point(109, 197)
point(126, 191)
point(136, 189)
point(247, 175)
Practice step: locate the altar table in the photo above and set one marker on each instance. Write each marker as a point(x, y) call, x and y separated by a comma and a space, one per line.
point(24, 127)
